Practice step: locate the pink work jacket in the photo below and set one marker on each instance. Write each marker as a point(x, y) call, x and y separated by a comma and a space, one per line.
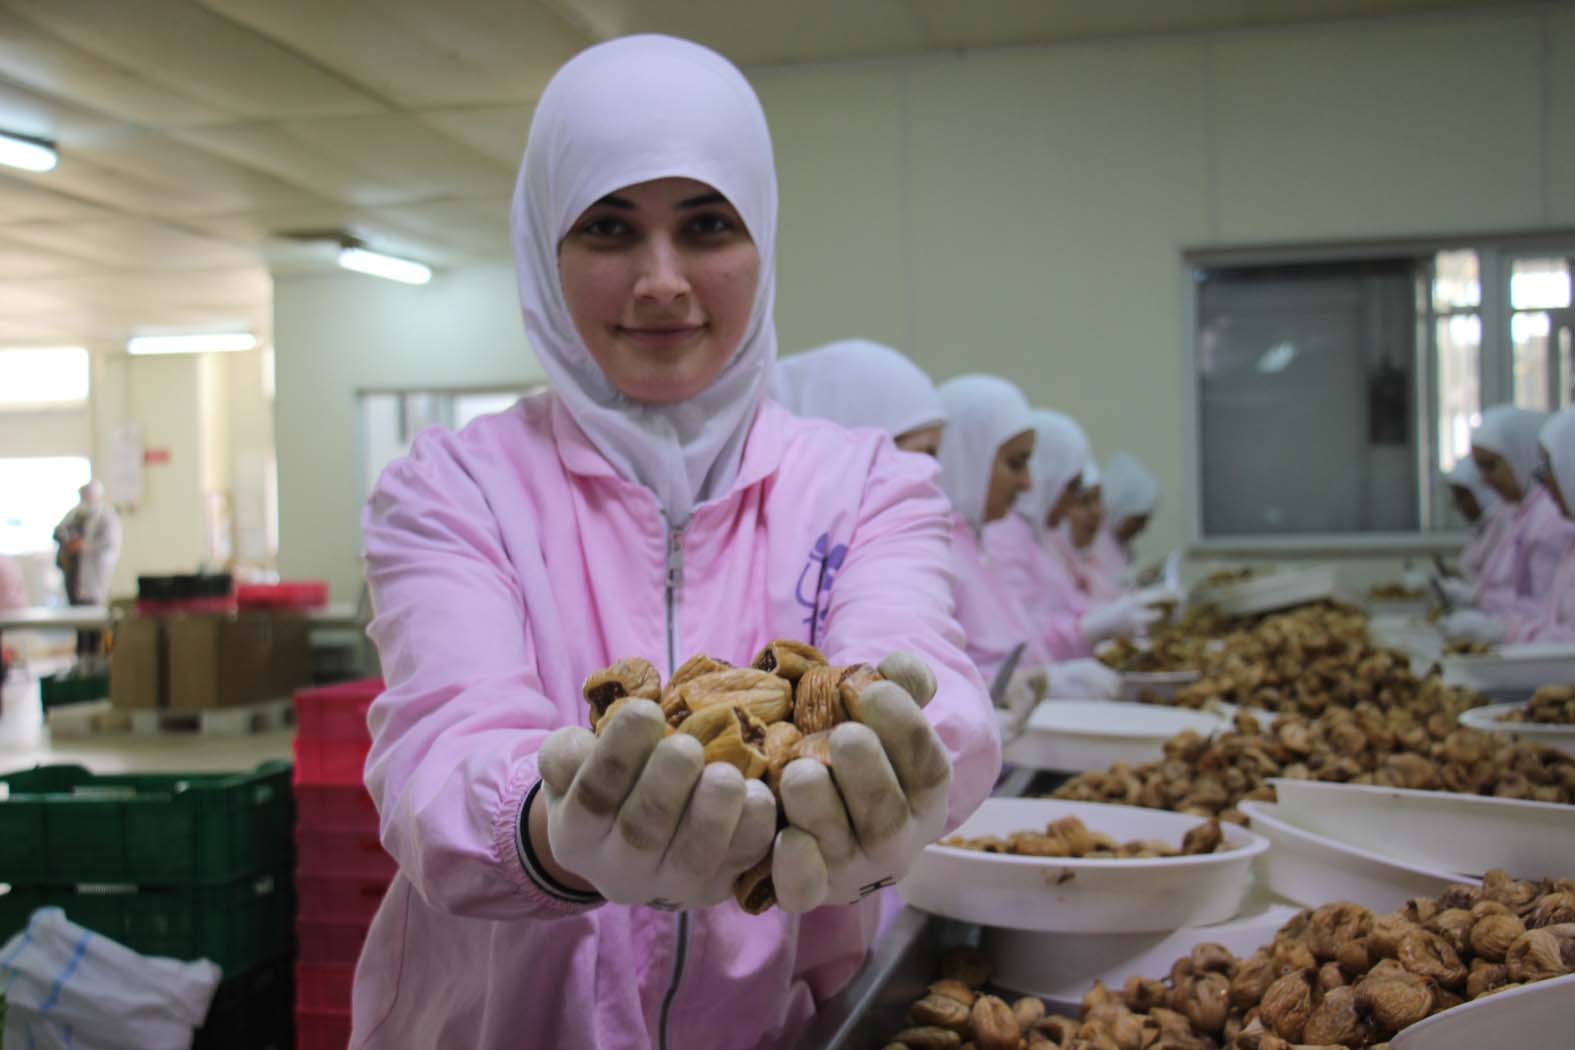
point(1049, 598)
point(1555, 620)
point(992, 618)
point(1474, 555)
point(507, 562)
point(1520, 571)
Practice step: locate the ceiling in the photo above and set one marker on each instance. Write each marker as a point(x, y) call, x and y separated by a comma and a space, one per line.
point(192, 133)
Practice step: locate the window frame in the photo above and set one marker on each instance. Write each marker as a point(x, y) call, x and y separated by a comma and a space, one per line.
point(1496, 367)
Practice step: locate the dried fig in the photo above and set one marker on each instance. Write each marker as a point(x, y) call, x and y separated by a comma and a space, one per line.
point(1492, 936)
point(1288, 1004)
point(1335, 924)
point(1552, 909)
point(954, 989)
point(625, 678)
point(1540, 954)
point(1252, 979)
point(940, 1011)
point(1394, 997)
point(851, 685)
point(817, 702)
point(787, 658)
point(1337, 1020)
point(994, 1025)
point(1427, 955)
point(1454, 926)
point(1485, 976)
point(1028, 1010)
point(928, 1038)
point(1208, 1002)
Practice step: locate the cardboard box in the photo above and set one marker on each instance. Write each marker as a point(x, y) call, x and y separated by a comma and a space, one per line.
point(230, 659)
point(138, 673)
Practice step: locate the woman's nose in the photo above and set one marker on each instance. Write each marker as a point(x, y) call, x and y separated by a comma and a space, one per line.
point(661, 277)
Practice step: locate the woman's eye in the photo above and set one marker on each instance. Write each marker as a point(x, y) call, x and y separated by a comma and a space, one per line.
point(605, 227)
point(711, 225)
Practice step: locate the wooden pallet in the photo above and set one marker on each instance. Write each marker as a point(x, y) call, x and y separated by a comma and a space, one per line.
point(262, 717)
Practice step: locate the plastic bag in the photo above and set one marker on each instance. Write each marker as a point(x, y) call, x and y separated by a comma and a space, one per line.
point(66, 986)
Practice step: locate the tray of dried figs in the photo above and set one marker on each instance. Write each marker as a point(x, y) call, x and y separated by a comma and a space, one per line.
point(1547, 719)
point(1267, 591)
point(1436, 829)
point(756, 718)
point(1511, 669)
point(1074, 736)
point(1041, 864)
point(1337, 977)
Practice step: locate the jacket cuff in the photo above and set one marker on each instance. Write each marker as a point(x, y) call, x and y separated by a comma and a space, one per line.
point(545, 897)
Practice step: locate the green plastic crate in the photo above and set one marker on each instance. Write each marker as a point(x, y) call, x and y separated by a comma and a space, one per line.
point(63, 824)
point(62, 690)
point(238, 925)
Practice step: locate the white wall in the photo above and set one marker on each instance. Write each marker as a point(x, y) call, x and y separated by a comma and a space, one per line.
point(1023, 211)
point(339, 334)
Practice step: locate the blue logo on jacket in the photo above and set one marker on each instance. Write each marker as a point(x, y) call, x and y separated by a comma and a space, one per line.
point(824, 562)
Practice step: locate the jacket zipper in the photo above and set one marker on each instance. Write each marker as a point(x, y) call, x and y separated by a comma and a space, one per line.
point(674, 579)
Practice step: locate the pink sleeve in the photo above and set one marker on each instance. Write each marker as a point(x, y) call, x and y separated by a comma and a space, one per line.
point(1031, 577)
point(454, 737)
point(1554, 620)
point(894, 592)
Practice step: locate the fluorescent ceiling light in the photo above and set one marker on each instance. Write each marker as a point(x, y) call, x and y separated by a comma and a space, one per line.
point(18, 151)
point(199, 343)
point(379, 265)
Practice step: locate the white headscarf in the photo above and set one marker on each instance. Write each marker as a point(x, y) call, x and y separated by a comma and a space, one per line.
point(982, 414)
point(1513, 433)
point(858, 383)
point(620, 113)
point(1061, 453)
point(1468, 477)
point(1558, 437)
point(1131, 491)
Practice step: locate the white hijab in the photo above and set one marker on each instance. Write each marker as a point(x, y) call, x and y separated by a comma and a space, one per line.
point(1061, 453)
point(982, 414)
point(1468, 477)
point(1558, 437)
point(1131, 491)
point(858, 383)
point(1513, 433)
point(624, 112)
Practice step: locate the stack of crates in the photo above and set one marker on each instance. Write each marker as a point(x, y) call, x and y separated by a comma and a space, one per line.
point(187, 866)
point(342, 870)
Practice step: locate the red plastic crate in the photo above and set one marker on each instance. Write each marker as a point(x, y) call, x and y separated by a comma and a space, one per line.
point(287, 594)
point(323, 989)
point(331, 737)
point(322, 1029)
point(321, 943)
point(335, 807)
point(342, 854)
point(329, 898)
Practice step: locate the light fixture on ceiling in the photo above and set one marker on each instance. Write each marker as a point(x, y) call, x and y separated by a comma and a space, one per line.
point(192, 343)
point(26, 152)
point(353, 256)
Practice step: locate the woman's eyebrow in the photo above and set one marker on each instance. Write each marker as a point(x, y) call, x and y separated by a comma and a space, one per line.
point(703, 200)
point(614, 201)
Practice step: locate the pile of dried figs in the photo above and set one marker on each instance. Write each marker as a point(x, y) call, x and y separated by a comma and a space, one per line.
point(1069, 837)
point(1550, 705)
point(1337, 977)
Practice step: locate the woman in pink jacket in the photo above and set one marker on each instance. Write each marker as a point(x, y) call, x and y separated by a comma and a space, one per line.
point(1131, 495)
point(561, 890)
point(857, 383)
point(1517, 575)
point(1484, 510)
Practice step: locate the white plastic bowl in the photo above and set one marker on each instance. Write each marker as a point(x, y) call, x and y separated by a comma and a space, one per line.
point(1277, 590)
point(1512, 670)
point(1061, 967)
point(1313, 869)
point(1162, 684)
point(1539, 1016)
point(1083, 896)
point(1487, 719)
point(1438, 830)
point(1075, 736)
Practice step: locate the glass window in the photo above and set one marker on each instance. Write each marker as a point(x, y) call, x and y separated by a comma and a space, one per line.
point(390, 421)
point(44, 376)
point(1539, 284)
point(1457, 281)
point(39, 491)
point(1459, 342)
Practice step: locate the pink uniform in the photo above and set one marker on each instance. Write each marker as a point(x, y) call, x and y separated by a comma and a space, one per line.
point(992, 618)
point(1520, 571)
point(1081, 566)
point(506, 563)
point(1489, 533)
point(1041, 586)
point(1555, 620)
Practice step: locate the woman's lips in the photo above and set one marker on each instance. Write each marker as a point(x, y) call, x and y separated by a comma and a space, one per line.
point(663, 337)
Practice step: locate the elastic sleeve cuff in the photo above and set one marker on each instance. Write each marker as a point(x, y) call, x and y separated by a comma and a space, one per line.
point(535, 869)
point(545, 897)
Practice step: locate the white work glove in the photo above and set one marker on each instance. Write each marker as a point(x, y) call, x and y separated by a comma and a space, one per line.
point(1128, 615)
point(1416, 579)
point(1472, 625)
point(1024, 692)
point(1083, 680)
point(1458, 591)
point(857, 826)
point(644, 819)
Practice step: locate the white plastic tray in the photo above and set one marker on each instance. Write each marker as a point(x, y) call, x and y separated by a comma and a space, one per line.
point(1075, 736)
point(1488, 718)
point(1163, 684)
point(1275, 590)
point(1513, 669)
point(1061, 967)
point(1313, 869)
point(1437, 829)
point(1083, 896)
point(1539, 1016)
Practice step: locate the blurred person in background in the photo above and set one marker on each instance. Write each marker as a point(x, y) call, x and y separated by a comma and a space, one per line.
point(857, 383)
point(1098, 577)
point(13, 595)
point(1131, 495)
point(1483, 509)
point(89, 546)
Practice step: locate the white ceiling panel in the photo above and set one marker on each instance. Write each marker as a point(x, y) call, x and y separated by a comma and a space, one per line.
point(519, 43)
point(36, 58)
point(475, 228)
point(23, 202)
point(192, 51)
point(132, 244)
point(22, 261)
point(494, 131)
point(28, 112)
point(392, 49)
point(400, 151)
